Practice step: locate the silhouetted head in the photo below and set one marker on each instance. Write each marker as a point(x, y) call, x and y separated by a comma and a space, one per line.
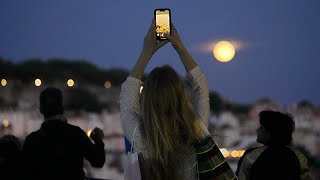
point(276, 128)
point(51, 101)
point(169, 122)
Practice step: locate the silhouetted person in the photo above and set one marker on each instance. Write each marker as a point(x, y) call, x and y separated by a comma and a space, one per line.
point(10, 158)
point(277, 159)
point(57, 149)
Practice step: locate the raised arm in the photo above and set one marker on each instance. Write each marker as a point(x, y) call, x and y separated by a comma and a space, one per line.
point(177, 44)
point(129, 95)
point(196, 79)
point(150, 46)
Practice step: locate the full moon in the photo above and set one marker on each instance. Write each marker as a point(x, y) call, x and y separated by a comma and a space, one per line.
point(224, 51)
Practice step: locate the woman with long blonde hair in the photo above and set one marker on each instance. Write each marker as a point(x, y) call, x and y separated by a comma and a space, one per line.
point(170, 117)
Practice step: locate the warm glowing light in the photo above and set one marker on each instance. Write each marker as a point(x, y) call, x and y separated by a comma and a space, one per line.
point(4, 82)
point(225, 152)
point(70, 82)
point(235, 153)
point(241, 152)
point(89, 132)
point(224, 51)
point(6, 123)
point(107, 84)
point(141, 88)
point(37, 82)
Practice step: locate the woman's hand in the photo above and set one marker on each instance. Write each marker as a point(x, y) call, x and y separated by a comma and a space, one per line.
point(150, 44)
point(97, 133)
point(177, 44)
point(174, 38)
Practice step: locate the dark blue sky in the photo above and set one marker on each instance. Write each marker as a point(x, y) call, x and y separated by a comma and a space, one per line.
point(279, 40)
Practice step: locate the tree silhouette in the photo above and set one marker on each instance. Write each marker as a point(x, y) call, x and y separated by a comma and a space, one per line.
point(216, 103)
point(61, 69)
point(81, 99)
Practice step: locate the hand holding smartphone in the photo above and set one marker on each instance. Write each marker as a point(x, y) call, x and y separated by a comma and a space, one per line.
point(163, 23)
point(97, 133)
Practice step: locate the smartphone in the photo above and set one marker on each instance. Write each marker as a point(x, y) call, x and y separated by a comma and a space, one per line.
point(163, 23)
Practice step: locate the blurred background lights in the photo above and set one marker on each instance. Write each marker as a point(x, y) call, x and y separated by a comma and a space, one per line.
point(89, 131)
point(141, 88)
point(224, 152)
point(37, 82)
point(107, 84)
point(241, 153)
point(70, 82)
point(6, 123)
point(224, 51)
point(4, 82)
point(233, 154)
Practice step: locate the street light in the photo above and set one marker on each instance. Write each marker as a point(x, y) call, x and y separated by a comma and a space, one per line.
point(4, 82)
point(37, 82)
point(70, 82)
point(107, 84)
point(6, 123)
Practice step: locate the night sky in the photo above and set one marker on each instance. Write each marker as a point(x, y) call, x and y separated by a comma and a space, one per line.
point(278, 40)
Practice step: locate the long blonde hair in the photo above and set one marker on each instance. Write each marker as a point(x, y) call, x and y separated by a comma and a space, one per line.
point(169, 122)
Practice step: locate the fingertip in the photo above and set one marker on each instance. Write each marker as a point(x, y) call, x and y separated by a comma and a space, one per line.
point(166, 35)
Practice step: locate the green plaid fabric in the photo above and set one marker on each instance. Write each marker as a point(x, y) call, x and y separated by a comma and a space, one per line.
point(211, 163)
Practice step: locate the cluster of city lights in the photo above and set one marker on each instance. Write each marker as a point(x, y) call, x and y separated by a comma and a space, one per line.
point(70, 83)
point(234, 153)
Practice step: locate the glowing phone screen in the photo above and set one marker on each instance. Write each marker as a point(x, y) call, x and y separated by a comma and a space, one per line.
point(162, 23)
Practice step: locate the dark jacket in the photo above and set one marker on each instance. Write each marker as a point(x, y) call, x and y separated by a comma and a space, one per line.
point(57, 151)
point(10, 158)
point(273, 162)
